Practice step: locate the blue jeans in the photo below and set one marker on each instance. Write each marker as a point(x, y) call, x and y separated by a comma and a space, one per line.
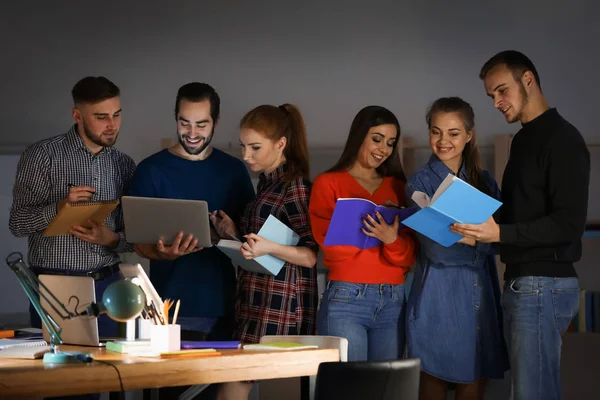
point(537, 311)
point(370, 316)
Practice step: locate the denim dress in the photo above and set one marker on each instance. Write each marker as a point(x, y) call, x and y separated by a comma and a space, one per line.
point(454, 320)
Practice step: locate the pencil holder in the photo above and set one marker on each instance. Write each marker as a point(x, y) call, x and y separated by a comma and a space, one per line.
point(165, 338)
point(144, 330)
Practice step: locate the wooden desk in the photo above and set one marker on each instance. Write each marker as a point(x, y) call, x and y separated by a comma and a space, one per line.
point(33, 378)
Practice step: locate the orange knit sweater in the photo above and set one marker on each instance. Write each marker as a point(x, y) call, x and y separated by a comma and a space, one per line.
point(387, 263)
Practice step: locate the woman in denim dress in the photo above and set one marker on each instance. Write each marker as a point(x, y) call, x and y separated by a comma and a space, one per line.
point(453, 311)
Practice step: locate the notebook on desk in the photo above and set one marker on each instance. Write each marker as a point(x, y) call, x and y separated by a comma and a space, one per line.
point(25, 352)
point(23, 348)
point(9, 343)
point(224, 344)
point(78, 214)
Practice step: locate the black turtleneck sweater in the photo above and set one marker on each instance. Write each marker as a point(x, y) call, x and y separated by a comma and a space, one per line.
point(545, 199)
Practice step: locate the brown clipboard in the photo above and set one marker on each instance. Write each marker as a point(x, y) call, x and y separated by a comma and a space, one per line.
point(78, 214)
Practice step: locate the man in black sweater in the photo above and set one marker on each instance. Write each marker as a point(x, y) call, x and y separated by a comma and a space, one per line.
point(541, 223)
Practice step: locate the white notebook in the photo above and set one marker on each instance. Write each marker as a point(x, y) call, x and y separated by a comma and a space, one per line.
point(8, 343)
point(25, 352)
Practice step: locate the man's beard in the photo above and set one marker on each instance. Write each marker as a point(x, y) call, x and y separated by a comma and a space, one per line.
point(97, 139)
point(194, 151)
point(524, 102)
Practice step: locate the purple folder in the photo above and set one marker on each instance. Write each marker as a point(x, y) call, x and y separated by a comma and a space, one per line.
point(345, 227)
point(230, 344)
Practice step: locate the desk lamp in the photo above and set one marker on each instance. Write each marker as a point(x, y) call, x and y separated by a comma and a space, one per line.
point(121, 301)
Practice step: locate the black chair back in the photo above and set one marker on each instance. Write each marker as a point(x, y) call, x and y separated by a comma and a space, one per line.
point(369, 380)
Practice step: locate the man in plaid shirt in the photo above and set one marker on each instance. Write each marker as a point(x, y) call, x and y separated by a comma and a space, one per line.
point(78, 166)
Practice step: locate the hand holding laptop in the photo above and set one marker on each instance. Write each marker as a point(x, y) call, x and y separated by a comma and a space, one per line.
point(181, 246)
point(166, 228)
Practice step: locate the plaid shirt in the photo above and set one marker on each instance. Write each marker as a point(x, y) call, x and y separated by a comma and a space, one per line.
point(284, 304)
point(43, 174)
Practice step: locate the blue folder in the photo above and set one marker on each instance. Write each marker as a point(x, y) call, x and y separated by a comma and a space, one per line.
point(345, 227)
point(456, 202)
point(273, 230)
point(221, 344)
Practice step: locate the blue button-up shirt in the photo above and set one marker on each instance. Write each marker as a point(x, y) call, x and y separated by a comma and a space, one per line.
point(454, 321)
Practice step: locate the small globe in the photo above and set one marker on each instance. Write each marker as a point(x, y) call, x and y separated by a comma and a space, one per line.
point(123, 300)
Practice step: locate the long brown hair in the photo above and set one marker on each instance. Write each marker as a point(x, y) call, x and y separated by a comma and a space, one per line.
point(470, 153)
point(283, 121)
point(367, 118)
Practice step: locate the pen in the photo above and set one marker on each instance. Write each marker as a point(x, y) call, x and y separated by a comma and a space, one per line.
point(150, 314)
point(70, 185)
point(176, 312)
point(166, 312)
point(161, 321)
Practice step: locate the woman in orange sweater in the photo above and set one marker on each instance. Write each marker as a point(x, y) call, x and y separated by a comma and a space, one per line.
point(364, 298)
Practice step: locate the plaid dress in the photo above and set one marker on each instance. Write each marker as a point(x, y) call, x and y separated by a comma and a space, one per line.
point(285, 304)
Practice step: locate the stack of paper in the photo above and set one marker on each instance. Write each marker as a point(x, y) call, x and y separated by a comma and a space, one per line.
point(126, 346)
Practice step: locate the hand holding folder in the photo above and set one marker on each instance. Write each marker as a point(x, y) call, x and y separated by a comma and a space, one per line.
point(346, 225)
point(73, 214)
point(273, 230)
point(455, 201)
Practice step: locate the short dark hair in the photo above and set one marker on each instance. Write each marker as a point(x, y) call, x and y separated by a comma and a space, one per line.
point(94, 89)
point(197, 92)
point(514, 60)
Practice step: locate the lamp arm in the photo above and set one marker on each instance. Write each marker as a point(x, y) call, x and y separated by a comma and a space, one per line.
point(121, 300)
point(30, 283)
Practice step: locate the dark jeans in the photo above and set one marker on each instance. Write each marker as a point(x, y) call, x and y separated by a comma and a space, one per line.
point(106, 328)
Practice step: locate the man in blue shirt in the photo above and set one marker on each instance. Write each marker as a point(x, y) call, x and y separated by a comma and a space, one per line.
point(203, 279)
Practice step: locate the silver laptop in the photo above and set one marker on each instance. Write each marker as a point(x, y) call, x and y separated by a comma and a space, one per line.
point(149, 219)
point(76, 293)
